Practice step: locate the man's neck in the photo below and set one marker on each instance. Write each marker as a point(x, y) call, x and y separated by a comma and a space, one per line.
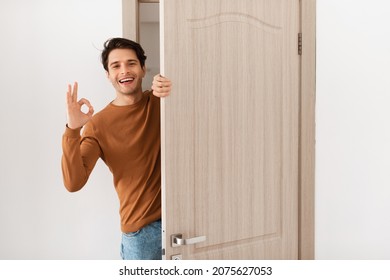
point(123, 99)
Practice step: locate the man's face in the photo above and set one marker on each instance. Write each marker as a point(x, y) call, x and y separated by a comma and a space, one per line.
point(125, 71)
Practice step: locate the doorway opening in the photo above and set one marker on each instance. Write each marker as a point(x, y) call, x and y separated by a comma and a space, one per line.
point(149, 39)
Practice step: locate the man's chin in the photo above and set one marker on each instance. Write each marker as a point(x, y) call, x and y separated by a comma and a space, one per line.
point(131, 91)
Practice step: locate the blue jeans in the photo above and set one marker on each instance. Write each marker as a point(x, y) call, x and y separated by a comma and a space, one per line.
point(144, 244)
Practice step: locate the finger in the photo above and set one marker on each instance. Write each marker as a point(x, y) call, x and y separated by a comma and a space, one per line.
point(161, 94)
point(90, 111)
point(160, 78)
point(161, 88)
point(84, 101)
point(69, 95)
point(167, 83)
point(163, 84)
point(156, 77)
point(164, 91)
point(74, 93)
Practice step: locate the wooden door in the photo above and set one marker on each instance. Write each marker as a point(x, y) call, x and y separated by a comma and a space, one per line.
point(230, 129)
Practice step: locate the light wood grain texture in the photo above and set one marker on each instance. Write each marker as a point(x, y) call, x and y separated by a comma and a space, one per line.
point(130, 12)
point(231, 127)
point(307, 133)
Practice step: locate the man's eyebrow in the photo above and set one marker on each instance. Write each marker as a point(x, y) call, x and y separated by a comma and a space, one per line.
point(132, 60)
point(114, 62)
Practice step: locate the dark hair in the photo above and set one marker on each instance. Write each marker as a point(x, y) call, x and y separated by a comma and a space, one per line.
point(122, 43)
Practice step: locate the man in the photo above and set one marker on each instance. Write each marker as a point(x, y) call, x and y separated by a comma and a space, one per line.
point(126, 136)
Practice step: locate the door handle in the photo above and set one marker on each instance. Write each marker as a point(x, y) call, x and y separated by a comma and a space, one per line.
point(178, 240)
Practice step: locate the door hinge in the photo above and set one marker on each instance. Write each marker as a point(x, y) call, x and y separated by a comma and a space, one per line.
point(300, 43)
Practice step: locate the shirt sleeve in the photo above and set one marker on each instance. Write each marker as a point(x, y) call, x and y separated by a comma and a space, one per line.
point(79, 156)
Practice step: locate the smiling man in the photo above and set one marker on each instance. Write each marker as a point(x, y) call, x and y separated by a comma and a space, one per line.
point(126, 136)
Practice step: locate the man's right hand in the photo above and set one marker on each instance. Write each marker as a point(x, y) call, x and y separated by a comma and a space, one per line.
point(76, 117)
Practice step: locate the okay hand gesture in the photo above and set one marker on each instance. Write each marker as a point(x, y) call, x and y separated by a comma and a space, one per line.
point(76, 117)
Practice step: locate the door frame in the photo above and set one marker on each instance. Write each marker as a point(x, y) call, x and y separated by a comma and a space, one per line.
point(306, 176)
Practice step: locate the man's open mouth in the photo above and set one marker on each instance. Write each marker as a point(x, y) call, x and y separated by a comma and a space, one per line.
point(126, 80)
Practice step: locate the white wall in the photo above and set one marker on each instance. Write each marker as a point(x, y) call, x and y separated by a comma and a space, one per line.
point(44, 46)
point(353, 130)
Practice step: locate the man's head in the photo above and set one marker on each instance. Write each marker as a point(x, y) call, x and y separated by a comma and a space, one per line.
point(124, 61)
point(122, 43)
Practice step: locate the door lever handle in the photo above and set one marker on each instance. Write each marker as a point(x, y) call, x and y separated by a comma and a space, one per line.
point(178, 240)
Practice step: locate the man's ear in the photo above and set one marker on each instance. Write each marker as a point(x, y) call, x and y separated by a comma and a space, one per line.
point(107, 75)
point(144, 69)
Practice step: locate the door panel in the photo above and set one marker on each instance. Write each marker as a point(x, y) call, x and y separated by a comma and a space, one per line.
point(230, 127)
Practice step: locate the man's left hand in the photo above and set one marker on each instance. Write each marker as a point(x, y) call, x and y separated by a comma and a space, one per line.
point(161, 86)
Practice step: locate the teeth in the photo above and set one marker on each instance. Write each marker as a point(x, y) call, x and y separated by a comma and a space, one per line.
point(126, 80)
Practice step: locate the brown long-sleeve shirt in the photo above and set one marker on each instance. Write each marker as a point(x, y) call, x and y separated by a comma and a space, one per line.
point(127, 139)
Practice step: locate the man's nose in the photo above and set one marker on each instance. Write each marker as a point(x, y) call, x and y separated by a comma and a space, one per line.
point(124, 69)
